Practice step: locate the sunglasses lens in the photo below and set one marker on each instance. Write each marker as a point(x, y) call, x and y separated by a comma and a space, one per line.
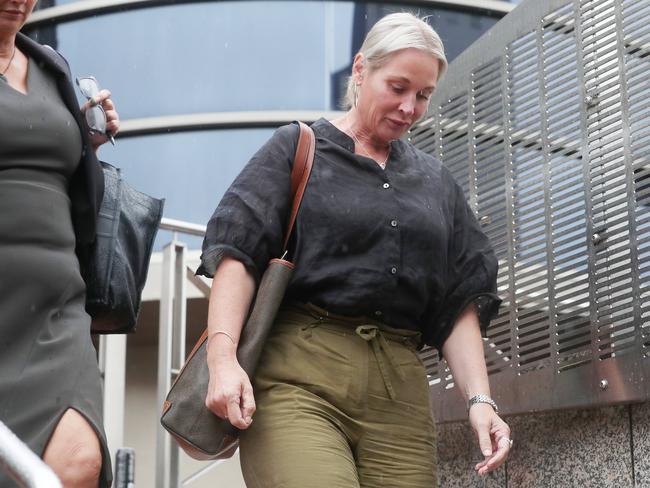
point(88, 87)
point(96, 119)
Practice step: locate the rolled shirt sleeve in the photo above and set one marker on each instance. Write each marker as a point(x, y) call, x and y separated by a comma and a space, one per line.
point(250, 221)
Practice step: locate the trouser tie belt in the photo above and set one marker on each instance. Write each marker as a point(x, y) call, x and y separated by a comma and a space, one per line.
point(381, 349)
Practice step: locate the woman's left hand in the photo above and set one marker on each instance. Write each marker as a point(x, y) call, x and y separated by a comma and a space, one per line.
point(493, 437)
point(103, 98)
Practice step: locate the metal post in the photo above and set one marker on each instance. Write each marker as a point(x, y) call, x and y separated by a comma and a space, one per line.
point(171, 353)
point(178, 345)
point(124, 468)
point(163, 444)
point(112, 358)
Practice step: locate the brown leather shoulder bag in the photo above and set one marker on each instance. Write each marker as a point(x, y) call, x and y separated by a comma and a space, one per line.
point(200, 433)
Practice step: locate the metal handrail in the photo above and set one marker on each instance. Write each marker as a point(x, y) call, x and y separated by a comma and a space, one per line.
point(182, 226)
point(87, 8)
point(22, 464)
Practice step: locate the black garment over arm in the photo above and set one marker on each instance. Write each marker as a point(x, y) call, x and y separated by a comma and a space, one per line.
point(399, 244)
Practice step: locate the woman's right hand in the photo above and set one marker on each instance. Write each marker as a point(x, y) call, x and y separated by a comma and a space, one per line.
point(230, 393)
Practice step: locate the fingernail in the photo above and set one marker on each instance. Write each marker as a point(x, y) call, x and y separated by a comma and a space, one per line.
point(248, 420)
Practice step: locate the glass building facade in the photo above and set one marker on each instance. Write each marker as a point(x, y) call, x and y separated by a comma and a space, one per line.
point(222, 57)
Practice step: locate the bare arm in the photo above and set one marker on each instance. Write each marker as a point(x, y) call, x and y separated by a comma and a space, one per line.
point(230, 394)
point(464, 353)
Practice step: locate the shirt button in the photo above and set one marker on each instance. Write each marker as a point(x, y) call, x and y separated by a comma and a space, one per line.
point(386, 185)
point(393, 223)
point(393, 270)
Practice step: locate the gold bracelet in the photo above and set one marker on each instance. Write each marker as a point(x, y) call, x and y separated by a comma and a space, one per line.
point(229, 336)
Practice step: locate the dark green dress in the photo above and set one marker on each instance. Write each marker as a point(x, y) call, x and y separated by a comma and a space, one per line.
point(47, 361)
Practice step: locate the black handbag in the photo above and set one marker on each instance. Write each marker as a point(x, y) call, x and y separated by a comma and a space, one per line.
point(200, 433)
point(117, 269)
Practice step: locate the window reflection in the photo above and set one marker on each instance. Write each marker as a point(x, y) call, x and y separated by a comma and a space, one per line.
point(234, 56)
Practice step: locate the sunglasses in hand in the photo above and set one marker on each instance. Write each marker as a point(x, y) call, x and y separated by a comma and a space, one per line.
point(95, 114)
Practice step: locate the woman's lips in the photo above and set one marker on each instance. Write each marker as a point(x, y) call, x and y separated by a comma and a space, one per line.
point(11, 13)
point(399, 123)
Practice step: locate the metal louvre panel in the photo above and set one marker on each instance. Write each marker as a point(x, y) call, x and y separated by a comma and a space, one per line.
point(636, 40)
point(567, 191)
point(546, 123)
point(431, 361)
point(454, 138)
point(489, 152)
point(424, 136)
point(528, 198)
point(489, 177)
point(613, 284)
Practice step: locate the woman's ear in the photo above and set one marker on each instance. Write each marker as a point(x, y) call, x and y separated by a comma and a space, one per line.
point(358, 68)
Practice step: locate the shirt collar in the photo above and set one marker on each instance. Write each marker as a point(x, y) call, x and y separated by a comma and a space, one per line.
point(324, 128)
point(327, 130)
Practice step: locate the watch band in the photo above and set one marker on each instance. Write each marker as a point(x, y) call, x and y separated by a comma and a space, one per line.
point(482, 399)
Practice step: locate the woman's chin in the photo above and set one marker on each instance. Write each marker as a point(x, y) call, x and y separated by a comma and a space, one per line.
point(392, 130)
point(391, 135)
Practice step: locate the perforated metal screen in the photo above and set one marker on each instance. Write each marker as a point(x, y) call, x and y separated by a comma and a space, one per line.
point(545, 122)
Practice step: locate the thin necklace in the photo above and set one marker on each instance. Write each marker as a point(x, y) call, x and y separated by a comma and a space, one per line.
point(10, 61)
point(382, 164)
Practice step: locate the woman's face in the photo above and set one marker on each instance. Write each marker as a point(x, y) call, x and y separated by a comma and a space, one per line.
point(394, 96)
point(13, 15)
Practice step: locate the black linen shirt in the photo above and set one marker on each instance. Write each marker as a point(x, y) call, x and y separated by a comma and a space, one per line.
point(400, 245)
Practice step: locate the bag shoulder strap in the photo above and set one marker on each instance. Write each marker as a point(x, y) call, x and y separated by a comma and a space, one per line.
point(302, 164)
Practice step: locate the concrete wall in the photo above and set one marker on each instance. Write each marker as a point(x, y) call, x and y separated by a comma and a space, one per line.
point(601, 447)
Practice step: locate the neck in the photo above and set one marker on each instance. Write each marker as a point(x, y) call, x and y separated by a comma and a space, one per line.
point(7, 45)
point(353, 123)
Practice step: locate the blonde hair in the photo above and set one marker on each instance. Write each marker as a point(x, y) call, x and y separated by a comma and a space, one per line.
point(393, 33)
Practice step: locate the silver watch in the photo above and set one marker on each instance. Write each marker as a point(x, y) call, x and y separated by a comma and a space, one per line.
point(482, 399)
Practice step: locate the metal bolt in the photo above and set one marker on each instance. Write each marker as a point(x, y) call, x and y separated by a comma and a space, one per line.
point(485, 220)
point(604, 384)
point(591, 100)
point(597, 238)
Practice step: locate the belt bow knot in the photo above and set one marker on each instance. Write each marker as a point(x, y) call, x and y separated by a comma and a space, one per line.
point(380, 347)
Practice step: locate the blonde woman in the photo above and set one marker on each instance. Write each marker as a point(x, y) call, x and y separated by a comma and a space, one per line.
point(389, 257)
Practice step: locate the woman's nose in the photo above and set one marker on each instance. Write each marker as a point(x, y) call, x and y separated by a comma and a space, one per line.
point(408, 105)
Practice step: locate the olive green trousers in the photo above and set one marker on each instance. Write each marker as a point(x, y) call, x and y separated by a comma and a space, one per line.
point(341, 403)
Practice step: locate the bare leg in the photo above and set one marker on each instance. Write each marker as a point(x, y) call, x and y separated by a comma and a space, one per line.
point(74, 453)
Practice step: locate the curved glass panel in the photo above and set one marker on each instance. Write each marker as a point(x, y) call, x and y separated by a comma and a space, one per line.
point(51, 3)
point(234, 56)
point(191, 170)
